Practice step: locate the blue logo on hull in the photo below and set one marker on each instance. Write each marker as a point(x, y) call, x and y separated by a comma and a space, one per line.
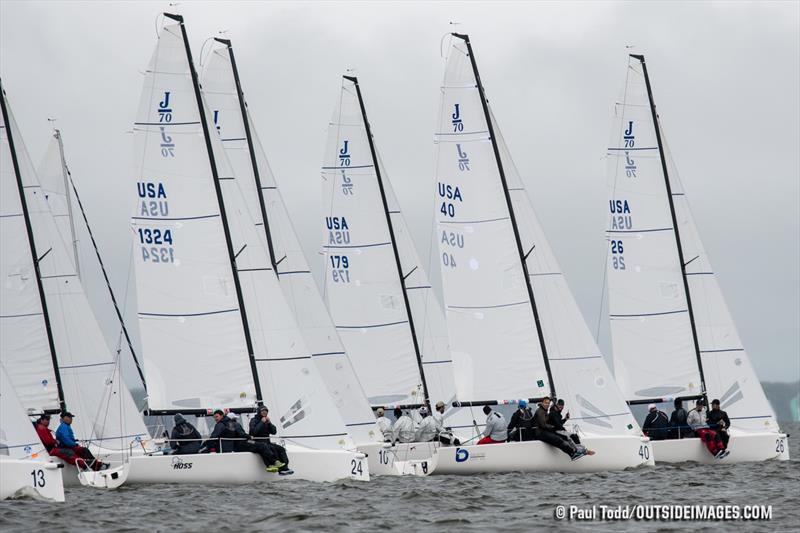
point(461, 455)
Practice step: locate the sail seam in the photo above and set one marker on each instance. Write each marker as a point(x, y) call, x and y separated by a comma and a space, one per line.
point(179, 315)
point(649, 314)
point(374, 325)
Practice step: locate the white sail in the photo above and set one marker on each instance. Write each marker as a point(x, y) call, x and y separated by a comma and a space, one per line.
point(193, 343)
point(52, 174)
point(18, 439)
point(296, 281)
point(654, 352)
point(362, 282)
point(493, 330)
point(24, 345)
point(88, 373)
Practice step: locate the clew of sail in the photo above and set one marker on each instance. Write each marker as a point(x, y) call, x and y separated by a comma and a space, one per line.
point(294, 275)
point(87, 372)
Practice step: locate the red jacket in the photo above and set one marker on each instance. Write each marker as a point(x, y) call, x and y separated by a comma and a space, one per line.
point(46, 436)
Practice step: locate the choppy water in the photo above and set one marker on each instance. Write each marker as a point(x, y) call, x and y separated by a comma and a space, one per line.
point(512, 502)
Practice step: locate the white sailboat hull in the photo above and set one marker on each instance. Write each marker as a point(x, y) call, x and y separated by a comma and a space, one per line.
point(230, 469)
point(26, 477)
point(398, 459)
point(612, 453)
point(744, 448)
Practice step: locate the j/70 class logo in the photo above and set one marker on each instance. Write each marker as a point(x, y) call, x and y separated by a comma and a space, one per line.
point(180, 464)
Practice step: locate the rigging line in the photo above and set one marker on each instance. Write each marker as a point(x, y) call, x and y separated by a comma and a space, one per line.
point(123, 327)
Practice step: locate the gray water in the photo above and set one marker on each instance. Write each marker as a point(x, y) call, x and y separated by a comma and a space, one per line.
point(510, 502)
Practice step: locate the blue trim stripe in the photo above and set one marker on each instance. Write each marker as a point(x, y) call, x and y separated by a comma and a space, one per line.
point(264, 359)
point(165, 123)
point(637, 230)
point(472, 221)
point(21, 316)
point(334, 247)
point(179, 315)
point(485, 306)
point(347, 168)
point(374, 325)
point(84, 366)
point(294, 272)
point(632, 149)
point(176, 218)
point(451, 134)
point(649, 314)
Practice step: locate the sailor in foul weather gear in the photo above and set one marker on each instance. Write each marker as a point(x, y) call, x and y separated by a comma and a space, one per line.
point(403, 430)
point(545, 432)
point(520, 427)
point(42, 426)
point(656, 423)
point(66, 439)
point(445, 435)
point(698, 422)
point(679, 427)
point(261, 428)
point(719, 421)
point(384, 424)
point(427, 430)
point(496, 430)
point(185, 439)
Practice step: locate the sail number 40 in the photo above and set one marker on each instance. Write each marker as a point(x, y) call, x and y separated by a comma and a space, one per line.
point(644, 452)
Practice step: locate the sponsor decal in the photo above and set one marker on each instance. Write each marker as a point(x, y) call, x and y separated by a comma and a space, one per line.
point(180, 464)
point(461, 455)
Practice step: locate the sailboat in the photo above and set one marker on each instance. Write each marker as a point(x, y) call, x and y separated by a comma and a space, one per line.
point(265, 206)
point(25, 467)
point(376, 288)
point(672, 334)
point(50, 343)
point(513, 323)
point(215, 330)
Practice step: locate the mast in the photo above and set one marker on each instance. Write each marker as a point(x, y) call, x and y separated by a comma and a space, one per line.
point(65, 173)
point(251, 149)
point(674, 222)
point(218, 189)
point(20, 187)
point(394, 243)
point(105, 274)
point(522, 255)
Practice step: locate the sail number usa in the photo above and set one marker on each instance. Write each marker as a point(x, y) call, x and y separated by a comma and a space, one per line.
point(155, 243)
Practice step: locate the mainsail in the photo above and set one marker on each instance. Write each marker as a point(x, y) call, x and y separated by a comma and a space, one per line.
point(672, 333)
point(52, 347)
point(266, 208)
point(378, 293)
point(515, 329)
point(216, 330)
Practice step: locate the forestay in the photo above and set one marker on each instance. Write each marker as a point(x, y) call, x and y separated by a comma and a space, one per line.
point(491, 321)
point(654, 350)
point(294, 275)
point(89, 374)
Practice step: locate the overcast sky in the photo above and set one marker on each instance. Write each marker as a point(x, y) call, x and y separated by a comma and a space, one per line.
point(726, 78)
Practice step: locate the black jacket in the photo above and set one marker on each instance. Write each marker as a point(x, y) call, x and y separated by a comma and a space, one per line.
point(226, 429)
point(179, 436)
point(540, 420)
point(656, 425)
point(713, 417)
point(520, 427)
point(261, 430)
point(680, 427)
point(556, 419)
